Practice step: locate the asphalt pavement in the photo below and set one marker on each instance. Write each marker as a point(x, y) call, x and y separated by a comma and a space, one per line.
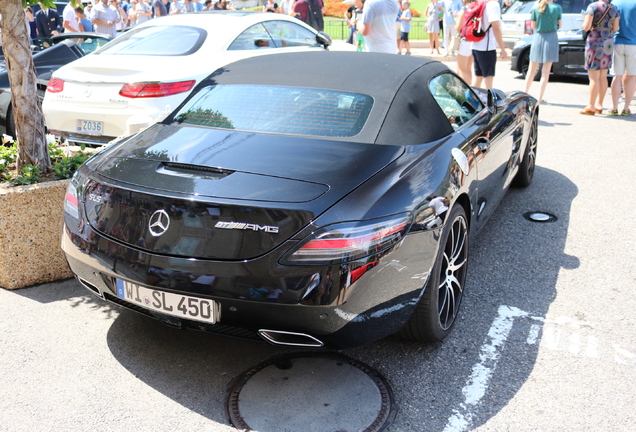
point(544, 342)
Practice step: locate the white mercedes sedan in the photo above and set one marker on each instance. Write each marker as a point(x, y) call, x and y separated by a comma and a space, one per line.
point(140, 77)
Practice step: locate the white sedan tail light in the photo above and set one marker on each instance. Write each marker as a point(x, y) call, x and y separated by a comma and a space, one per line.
point(151, 90)
point(55, 85)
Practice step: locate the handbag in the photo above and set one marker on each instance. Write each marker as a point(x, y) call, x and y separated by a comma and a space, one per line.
point(586, 33)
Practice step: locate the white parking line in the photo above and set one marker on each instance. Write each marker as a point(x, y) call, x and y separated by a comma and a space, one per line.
point(477, 384)
point(554, 338)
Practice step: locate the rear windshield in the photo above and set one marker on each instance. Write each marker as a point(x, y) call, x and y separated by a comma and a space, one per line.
point(284, 110)
point(157, 40)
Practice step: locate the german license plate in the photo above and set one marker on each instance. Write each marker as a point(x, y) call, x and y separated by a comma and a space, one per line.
point(90, 127)
point(178, 305)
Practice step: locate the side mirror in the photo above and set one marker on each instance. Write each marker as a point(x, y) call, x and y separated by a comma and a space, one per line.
point(323, 39)
point(496, 99)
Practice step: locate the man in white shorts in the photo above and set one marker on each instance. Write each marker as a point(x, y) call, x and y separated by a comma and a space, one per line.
point(624, 59)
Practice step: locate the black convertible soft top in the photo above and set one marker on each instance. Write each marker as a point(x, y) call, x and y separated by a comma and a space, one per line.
point(404, 112)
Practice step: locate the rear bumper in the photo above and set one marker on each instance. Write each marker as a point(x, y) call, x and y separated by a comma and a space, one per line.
point(337, 312)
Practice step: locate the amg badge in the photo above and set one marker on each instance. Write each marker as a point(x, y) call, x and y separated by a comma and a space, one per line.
point(246, 226)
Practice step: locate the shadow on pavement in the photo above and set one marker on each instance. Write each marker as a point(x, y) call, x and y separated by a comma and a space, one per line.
point(514, 264)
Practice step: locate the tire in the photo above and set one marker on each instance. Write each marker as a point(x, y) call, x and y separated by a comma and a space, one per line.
point(526, 167)
point(525, 65)
point(437, 310)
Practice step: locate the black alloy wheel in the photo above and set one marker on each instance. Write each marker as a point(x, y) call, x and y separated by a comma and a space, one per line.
point(438, 308)
point(526, 167)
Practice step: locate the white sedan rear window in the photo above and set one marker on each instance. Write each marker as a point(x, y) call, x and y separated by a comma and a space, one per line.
point(157, 41)
point(276, 109)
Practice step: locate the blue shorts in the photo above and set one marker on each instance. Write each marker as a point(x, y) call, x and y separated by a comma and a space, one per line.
point(404, 36)
point(484, 63)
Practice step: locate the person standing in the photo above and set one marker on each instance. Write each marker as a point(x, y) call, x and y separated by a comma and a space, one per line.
point(70, 23)
point(351, 24)
point(270, 6)
point(485, 50)
point(33, 26)
point(451, 10)
point(465, 51)
point(181, 7)
point(48, 22)
point(545, 19)
point(432, 24)
point(601, 20)
point(143, 11)
point(88, 10)
point(104, 18)
point(198, 7)
point(378, 25)
point(121, 13)
point(311, 12)
point(84, 23)
point(624, 61)
point(405, 24)
point(159, 8)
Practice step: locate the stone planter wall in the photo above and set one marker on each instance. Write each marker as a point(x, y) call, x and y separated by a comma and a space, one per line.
point(30, 229)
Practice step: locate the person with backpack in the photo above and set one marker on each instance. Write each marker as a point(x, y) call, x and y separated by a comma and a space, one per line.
point(482, 26)
point(310, 12)
point(545, 19)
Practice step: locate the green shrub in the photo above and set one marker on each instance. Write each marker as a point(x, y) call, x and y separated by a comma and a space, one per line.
point(64, 166)
point(29, 174)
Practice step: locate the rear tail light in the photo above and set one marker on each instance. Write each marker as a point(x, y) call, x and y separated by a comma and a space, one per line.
point(55, 85)
point(528, 27)
point(71, 202)
point(150, 90)
point(349, 241)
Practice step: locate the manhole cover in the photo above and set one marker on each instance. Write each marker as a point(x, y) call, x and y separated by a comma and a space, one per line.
point(540, 217)
point(311, 392)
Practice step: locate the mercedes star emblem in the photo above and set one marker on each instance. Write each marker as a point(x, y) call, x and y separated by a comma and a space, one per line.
point(159, 223)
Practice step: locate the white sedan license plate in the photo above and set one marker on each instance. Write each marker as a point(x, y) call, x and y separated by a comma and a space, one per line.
point(90, 127)
point(182, 306)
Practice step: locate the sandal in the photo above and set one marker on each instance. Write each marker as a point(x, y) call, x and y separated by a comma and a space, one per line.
point(626, 112)
point(613, 112)
point(587, 111)
point(599, 110)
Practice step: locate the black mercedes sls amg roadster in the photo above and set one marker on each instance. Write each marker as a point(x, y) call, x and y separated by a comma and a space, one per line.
point(313, 200)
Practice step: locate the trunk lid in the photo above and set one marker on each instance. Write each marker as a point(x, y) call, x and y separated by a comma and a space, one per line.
point(224, 195)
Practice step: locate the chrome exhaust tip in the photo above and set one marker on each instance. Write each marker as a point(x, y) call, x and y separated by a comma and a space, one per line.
point(285, 338)
point(89, 286)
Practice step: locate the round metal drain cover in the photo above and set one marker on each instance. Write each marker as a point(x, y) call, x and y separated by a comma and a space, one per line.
point(541, 217)
point(311, 392)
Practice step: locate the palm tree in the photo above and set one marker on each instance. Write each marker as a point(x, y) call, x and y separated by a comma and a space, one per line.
point(27, 112)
